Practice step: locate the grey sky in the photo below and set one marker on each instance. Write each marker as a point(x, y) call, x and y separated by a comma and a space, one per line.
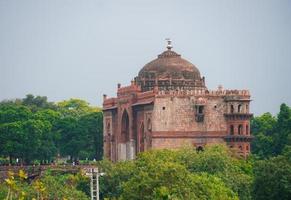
point(82, 48)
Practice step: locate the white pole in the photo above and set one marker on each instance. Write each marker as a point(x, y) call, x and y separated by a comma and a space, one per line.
point(97, 184)
point(91, 184)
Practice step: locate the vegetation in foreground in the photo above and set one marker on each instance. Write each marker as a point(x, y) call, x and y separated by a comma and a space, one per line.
point(216, 173)
point(54, 187)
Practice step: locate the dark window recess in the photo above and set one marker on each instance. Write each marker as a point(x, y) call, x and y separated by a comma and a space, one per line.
point(231, 129)
point(199, 149)
point(199, 113)
point(164, 108)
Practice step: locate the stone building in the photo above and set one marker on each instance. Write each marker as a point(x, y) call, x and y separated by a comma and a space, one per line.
point(169, 106)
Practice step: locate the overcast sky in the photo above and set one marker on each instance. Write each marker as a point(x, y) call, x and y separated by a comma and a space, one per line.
point(82, 48)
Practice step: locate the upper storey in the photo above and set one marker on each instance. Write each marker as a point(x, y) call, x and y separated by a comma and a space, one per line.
point(169, 72)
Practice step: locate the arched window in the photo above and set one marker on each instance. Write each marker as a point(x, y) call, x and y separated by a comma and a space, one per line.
point(239, 108)
point(247, 129)
point(240, 148)
point(240, 129)
point(231, 109)
point(247, 147)
point(231, 130)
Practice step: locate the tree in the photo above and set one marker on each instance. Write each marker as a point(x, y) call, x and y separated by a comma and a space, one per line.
point(263, 128)
point(170, 180)
point(283, 129)
point(271, 134)
point(26, 135)
point(81, 130)
point(76, 107)
point(179, 174)
point(91, 125)
point(13, 112)
point(272, 178)
point(38, 102)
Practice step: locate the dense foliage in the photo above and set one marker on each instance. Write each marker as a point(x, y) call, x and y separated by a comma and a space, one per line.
point(272, 135)
point(59, 186)
point(33, 129)
point(179, 174)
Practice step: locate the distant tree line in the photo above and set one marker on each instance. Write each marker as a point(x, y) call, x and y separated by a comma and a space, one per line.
point(33, 129)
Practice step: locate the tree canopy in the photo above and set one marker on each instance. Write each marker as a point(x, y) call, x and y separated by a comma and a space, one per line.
point(34, 129)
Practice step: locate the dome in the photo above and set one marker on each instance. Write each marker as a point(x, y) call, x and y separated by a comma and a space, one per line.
point(169, 72)
point(169, 64)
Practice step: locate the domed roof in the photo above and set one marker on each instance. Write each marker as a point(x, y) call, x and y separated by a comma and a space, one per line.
point(170, 64)
point(169, 72)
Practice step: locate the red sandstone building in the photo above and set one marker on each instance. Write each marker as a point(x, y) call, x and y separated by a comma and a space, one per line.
point(168, 106)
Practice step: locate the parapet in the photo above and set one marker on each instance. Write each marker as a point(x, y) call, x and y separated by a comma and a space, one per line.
point(204, 92)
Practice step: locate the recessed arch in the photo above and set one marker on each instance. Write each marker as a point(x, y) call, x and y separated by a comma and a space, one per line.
point(231, 130)
point(240, 129)
point(149, 124)
point(142, 137)
point(125, 127)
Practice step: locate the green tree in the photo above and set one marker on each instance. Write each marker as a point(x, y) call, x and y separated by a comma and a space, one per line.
point(37, 103)
point(283, 129)
point(26, 135)
point(179, 174)
point(11, 140)
point(81, 130)
point(13, 112)
point(236, 173)
point(170, 180)
point(271, 134)
point(76, 107)
point(272, 178)
point(263, 132)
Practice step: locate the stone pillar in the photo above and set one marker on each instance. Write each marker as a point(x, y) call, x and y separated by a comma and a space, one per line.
point(122, 150)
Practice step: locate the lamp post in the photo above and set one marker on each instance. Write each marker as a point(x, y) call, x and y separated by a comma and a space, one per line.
point(94, 174)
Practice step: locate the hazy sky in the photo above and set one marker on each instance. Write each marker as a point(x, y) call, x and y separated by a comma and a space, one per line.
point(82, 48)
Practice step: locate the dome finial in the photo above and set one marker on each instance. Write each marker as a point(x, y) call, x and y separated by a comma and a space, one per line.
point(169, 46)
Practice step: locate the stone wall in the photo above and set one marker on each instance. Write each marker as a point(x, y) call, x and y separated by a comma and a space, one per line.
point(174, 113)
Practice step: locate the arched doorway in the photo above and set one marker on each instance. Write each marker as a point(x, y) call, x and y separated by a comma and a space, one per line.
point(127, 143)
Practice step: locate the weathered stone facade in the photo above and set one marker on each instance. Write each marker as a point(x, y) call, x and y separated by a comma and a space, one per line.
point(168, 106)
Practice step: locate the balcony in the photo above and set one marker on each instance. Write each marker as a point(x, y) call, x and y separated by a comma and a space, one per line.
point(238, 138)
point(238, 116)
